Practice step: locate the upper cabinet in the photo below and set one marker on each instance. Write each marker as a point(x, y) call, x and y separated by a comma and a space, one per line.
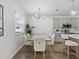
point(66, 23)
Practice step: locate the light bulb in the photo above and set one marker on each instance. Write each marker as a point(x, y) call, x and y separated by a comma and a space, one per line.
point(73, 12)
point(36, 15)
point(43, 16)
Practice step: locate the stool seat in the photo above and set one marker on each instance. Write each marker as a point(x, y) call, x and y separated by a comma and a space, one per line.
point(70, 43)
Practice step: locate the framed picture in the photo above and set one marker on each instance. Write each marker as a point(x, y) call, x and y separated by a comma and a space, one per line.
point(1, 20)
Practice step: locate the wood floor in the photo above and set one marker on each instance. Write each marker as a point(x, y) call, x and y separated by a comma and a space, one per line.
point(27, 52)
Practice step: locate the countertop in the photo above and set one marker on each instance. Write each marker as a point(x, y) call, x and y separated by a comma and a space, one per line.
point(76, 36)
point(65, 36)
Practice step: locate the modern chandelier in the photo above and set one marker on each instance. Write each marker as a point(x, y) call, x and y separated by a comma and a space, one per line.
point(38, 15)
point(73, 11)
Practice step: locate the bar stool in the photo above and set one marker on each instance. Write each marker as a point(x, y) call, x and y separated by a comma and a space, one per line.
point(69, 44)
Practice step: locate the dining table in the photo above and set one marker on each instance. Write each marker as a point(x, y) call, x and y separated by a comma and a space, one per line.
point(38, 36)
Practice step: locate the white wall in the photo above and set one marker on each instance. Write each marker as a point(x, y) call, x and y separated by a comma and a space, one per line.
point(42, 26)
point(9, 42)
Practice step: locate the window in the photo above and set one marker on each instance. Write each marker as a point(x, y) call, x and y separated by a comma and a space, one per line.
point(19, 23)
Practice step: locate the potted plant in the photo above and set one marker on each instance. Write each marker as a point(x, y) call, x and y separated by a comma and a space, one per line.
point(28, 29)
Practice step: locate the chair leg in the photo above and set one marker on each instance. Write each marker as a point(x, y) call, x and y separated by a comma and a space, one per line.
point(53, 48)
point(50, 48)
point(35, 55)
point(43, 55)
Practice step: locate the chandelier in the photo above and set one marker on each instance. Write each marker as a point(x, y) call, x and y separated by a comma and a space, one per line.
point(38, 15)
point(73, 11)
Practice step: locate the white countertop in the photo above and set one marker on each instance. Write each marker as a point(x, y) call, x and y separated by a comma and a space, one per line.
point(76, 36)
point(38, 36)
point(65, 36)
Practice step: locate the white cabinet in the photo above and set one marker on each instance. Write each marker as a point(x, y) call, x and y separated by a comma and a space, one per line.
point(59, 21)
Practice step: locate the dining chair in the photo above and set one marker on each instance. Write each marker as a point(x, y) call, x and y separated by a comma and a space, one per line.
point(59, 42)
point(51, 42)
point(28, 40)
point(39, 46)
point(58, 37)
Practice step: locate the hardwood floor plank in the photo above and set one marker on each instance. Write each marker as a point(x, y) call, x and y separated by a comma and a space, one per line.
point(27, 52)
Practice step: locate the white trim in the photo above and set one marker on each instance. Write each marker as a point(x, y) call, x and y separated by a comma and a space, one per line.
point(16, 51)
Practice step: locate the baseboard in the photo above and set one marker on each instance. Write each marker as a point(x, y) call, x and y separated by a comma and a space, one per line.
point(16, 51)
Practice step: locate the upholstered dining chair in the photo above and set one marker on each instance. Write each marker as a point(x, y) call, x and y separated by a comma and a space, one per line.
point(28, 40)
point(39, 46)
point(51, 42)
point(59, 42)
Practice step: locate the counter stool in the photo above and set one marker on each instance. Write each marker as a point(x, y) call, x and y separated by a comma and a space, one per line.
point(69, 44)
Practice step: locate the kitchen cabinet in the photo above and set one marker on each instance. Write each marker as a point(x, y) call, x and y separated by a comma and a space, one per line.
point(68, 21)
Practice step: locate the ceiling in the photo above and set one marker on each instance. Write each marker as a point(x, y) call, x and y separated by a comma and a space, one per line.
point(48, 7)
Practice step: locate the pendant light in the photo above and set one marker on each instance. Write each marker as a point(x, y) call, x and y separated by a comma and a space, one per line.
point(73, 11)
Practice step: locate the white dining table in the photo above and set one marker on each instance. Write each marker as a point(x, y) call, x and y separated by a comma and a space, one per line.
point(46, 38)
point(32, 38)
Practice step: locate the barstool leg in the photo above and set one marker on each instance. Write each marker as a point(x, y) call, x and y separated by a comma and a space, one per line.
point(68, 52)
point(76, 51)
